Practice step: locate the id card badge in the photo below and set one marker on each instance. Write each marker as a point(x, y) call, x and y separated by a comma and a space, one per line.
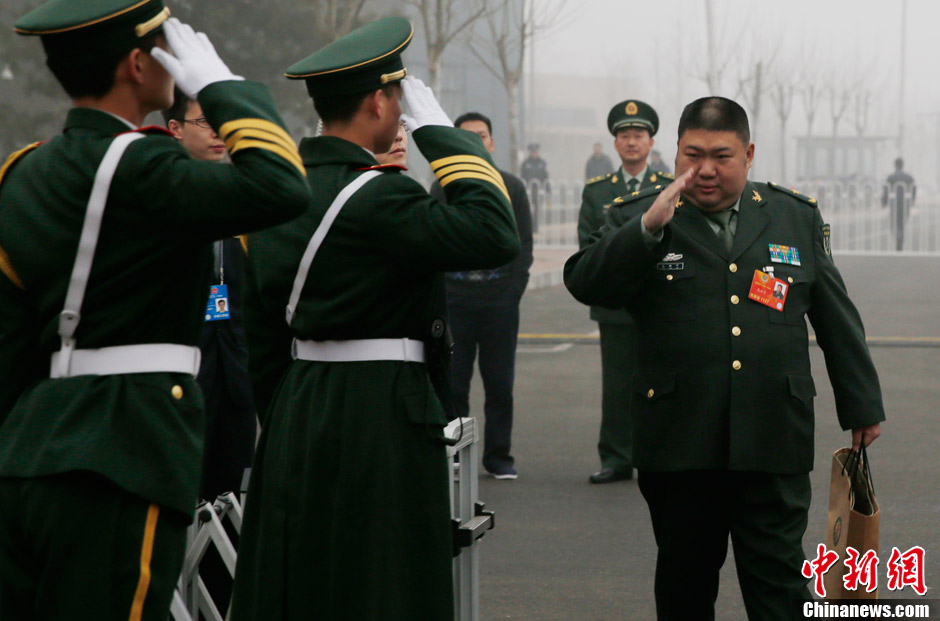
point(217, 306)
point(768, 290)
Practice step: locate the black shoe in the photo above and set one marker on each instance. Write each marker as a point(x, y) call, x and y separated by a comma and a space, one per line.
point(609, 475)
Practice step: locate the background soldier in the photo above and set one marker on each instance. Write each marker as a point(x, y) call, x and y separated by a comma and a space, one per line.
point(349, 516)
point(598, 164)
point(723, 396)
point(633, 125)
point(99, 463)
point(898, 194)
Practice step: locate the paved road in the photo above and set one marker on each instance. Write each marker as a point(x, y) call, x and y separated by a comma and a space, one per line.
point(564, 549)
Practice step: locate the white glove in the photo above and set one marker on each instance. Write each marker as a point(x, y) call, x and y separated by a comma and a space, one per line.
point(194, 63)
point(424, 107)
point(410, 123)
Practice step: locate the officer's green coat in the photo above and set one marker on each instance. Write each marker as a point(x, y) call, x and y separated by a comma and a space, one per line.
point(598, 195)
point(348, 505)
point(692, 409)
point(148, 284)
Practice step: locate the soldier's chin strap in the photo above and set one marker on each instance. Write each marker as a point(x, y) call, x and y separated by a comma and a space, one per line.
point(87, 242)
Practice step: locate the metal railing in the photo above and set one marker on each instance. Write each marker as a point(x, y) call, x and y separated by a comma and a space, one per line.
point(863, 216)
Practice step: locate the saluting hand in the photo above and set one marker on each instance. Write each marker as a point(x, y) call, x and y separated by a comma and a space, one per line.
point(194, 63)
point(664, 207)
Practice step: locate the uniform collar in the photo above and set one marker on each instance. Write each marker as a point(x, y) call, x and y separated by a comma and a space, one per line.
point(639, 178)
point(97, 120)
point(332, 150)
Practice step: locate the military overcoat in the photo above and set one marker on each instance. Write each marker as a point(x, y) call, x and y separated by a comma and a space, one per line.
point(348, 506)
point(149, 283)
point(722, 381)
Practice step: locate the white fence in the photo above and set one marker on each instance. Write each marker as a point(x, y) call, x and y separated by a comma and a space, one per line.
point(860, 222)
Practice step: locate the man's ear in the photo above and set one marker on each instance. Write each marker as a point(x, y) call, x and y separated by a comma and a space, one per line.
point(176, 128)
point(133, 64)
point(375, 103)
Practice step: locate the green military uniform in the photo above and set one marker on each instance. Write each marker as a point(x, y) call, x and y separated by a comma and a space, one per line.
point(723, 394)
point(615, 326)
point(348, 514)
point(99, 473)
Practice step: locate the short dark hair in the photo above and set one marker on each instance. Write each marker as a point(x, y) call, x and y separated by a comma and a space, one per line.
point(177, 112)
point(715, 114)
point(342, 108)
point(92, 75)
point(474, 116)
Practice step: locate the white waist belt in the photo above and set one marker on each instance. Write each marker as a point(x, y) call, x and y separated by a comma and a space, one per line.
point(147, 358)
point(359, 350)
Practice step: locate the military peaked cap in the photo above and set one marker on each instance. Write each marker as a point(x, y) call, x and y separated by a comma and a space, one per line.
point(363, 60)
point(75, 28)
point(633, 113)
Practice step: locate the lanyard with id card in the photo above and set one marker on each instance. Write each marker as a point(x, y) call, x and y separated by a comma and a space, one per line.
point(217, 308)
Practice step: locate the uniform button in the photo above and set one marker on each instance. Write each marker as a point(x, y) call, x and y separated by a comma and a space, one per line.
point(736, 365)
point(733, 267)
point(177, 392)
point(736, 331)
point(669, 276)
point(790, 279)
point(735, 299)
point(651, 393)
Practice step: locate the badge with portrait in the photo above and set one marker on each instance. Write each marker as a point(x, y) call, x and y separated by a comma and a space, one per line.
point(217, 306)
point(768, 290)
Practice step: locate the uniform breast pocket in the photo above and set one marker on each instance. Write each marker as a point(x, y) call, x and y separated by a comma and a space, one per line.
point(670, 295)
point(797, 299)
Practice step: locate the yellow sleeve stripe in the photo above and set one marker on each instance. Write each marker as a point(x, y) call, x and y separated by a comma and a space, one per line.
point(267, 130)
point(261, 124)
point(292, 157)
point(7, 268)
point(471, 175)
point(146, 554)
point(249, 132)
point(465, 159)
point(449, 170)
point(244, 240)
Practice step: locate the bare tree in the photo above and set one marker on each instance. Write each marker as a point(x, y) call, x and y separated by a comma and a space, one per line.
point(810, 89)
point(839, 95)
point(718, 57)
point(511, 26)
point(442, 24)
point(751, 84)
point(781, 96)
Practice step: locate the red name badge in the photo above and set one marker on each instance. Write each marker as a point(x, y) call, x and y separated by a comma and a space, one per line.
point(768, 290)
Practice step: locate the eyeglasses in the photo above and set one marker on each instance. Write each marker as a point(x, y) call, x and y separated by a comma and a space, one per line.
point(403, 125)
point(199, 122)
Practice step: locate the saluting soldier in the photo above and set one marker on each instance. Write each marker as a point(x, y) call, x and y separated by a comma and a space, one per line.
point(107, 257)
point(723, 394)
point(348, 514)
point(633, 124)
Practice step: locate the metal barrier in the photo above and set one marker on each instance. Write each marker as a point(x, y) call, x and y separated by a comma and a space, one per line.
point(864, 217)
point(470, 519)
point(470, 522)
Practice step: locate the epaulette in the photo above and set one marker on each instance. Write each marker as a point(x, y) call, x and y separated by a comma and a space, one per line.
point(594, 180)
point(809, 200)
point(383, 167)
point(637, 195)
point(665, 175)
point(15, 157)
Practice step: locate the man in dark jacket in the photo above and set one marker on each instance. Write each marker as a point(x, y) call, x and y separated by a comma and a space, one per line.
point(723, 394)
point(483, 308)
point(898, 194)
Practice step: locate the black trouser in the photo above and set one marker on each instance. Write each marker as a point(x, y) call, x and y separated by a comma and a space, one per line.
point(693, 514)
point(493, 328)
point(76, 546)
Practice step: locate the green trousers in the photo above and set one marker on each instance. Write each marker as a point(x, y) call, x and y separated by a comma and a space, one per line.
point(617, 361)
point(76, 547)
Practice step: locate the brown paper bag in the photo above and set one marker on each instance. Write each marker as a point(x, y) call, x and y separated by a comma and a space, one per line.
point(854, 519)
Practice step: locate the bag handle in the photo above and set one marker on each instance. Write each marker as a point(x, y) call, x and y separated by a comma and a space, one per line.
point(859, 459)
